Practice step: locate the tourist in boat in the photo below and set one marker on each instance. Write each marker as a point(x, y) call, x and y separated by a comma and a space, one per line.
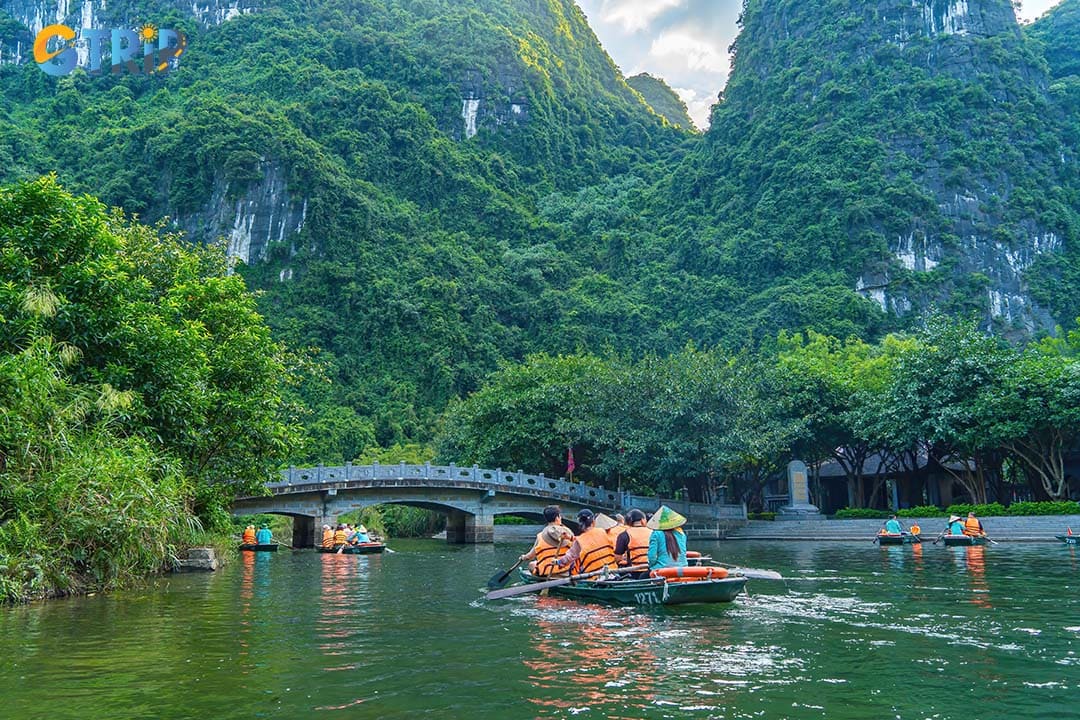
point(956, 526)
point(248, 537)
point(619, 529)
point(359, 535)
point(327, 536)
point(972, 526)
point(667, 548)
point(632, 544)
point(591, 550)
point(893, 527)
point(264, 536)
point(550, 543)
point(341, 535)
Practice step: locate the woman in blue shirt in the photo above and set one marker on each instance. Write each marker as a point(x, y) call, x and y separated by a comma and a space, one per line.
point(956, 525)
point(667, 544)
point(264, 536)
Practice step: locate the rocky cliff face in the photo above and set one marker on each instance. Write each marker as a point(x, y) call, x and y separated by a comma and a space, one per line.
point(938, 183)
point(265, 212)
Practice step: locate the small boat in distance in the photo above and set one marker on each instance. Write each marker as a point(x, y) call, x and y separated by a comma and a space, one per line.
point(1069, 539)
point(360, 549)
point(961, 540)
point(268, 547)
point(902, 539)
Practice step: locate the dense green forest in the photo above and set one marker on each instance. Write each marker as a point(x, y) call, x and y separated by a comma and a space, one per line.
point(721, 425)
point(480, 185)
point(140, 390)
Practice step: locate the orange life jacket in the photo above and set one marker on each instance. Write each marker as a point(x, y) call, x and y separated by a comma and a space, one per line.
point(546, 555)
point(637, 550)
point(340, 537)
point(596, 550)
point(327, 538)
point(972, 527)
point(249, 537)
point(615, 532)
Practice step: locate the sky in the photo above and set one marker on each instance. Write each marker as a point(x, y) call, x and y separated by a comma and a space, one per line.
point(686, 42)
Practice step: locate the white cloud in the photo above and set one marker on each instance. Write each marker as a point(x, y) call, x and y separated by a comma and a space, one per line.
point(696, 54)
point(1032, 9)
point(635, 15)
point(697, 104)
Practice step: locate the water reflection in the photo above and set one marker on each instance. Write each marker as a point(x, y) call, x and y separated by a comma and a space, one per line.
point(337, 578)
point(602, 659)
point(975, 559)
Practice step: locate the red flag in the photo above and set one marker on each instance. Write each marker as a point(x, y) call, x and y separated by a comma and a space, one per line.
point(570, 460)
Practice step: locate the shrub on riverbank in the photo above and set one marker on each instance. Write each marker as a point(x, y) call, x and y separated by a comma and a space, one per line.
point(1063, 507)
point(138, 391)
point(1060, 507)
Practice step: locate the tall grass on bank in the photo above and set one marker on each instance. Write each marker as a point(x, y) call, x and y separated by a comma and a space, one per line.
point(81, 507)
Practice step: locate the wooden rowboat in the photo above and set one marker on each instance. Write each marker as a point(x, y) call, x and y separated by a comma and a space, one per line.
point(905, 539)
point(646, 591)
point(1069, 539)
point(268, 547)
point(954, 540)
point(361, 549)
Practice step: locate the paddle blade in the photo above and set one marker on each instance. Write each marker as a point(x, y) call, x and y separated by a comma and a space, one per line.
point(759, 574)
point(498, 580)
point(529, 588)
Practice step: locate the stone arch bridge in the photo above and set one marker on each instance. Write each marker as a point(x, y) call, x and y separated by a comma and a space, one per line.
point(470, 497)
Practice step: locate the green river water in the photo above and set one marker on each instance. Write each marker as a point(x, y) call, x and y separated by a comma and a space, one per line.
point(855, 631)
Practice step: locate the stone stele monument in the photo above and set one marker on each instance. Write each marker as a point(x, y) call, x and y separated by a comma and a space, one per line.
point(798, 507)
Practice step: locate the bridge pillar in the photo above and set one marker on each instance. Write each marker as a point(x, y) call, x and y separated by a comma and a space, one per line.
point(307, 531)
point(464, 528)
point(304, 531)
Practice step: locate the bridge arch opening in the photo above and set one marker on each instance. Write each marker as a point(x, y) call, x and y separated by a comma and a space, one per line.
point(295, 533)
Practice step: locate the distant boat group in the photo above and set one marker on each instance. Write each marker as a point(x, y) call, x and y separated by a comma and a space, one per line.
point(343, 540)
point(958, 532)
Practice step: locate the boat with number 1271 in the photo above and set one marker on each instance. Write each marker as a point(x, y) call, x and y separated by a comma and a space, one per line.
point(673, 586)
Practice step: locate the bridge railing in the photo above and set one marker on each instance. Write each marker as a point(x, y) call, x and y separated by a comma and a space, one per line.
point(692, 510)
point(494, 479)
point(499, 479)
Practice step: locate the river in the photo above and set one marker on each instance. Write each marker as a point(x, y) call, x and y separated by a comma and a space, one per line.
point(855, 631)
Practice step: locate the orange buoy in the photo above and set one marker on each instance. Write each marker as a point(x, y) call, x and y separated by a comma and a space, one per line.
point(690, 574)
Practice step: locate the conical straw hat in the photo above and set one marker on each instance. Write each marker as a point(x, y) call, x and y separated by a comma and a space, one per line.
point(604, 522)
point(665, 519)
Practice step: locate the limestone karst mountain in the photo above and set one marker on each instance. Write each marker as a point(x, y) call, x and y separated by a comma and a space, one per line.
point(906, 149)
point(423, 188)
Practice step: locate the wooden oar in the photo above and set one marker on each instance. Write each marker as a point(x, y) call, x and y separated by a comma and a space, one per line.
point(941, 535)
point(282, 543)
point(754, 573)
point(537, 586)
point(499, 579)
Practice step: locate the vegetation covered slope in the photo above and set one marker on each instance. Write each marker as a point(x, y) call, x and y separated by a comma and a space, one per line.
point(662, 99)
point(909, 150)
point(423, 256)
point(1057, 281)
